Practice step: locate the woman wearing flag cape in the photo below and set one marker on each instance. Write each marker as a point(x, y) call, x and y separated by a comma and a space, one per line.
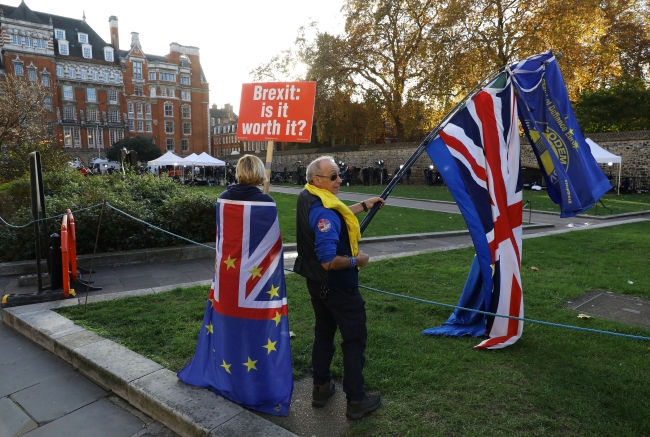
point(243, 351)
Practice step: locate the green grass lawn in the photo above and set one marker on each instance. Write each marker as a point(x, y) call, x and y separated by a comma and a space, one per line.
point(539, 200)
point(551, 382)
point(391, 220)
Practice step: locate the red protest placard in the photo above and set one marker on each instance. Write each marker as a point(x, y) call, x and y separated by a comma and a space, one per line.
point(278, 111)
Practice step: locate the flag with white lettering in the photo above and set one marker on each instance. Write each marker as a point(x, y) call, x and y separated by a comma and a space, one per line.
point(573, 178)
point(243, 351)
point(478, 155)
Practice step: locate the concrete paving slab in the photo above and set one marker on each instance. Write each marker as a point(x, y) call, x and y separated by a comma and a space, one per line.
point(112, 366)
point(29, 371)
point(186, 409)
point(137, 282)
point(15, 348)
point(173, 280)
point(190, 266)
point(306, 420)
point(249, 425)
point(131, 271)
point(99, 419)
point(200, 275)
point(57, 396)
point(163, 271)
point(13, 420)
point(625, 309)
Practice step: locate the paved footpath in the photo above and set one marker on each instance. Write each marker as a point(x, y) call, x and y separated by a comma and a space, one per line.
point(42, 394)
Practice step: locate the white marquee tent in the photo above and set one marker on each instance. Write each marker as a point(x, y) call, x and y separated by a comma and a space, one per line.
point(205, 160)
point(167, 159)
point(602, 156)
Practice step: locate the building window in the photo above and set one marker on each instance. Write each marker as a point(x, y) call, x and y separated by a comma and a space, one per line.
point(129, 106)
point(137, 90)
point(116, 77)
point(186, 95)
point(163, 91)
point(95, 75)
point(152, 91)
point(187, 128)
point(91, 94)
point(91, 138)
point(47, 104)
point(31, 73)
point(67, 92)
point(132, 125)
point(169, 77)
point(112, 96)
point(115, 135)
point(67, 136)
point(140, 126)
point(16, 40)
point(169, 110)
point(186, 112)
point(59, 71)
point(69, 113)
point(83, 38)
point(138, 109)
point(108, 54)
point(40, 43)
point(170, 144)
point(84, 74)
point(73, 73)
point(169, 127)
point(76, 136)
point(87, 51)
point(148, 126)
point(59, 34)
point(147, 110)
point(185, 144)
point(49, 127)
point(63, 48)
point(152, 75)
point(18, 69)
point(113, 116)
point(92, 114)
point(29, 42)
point(137, 70)
point(105, 74)
point(100, 138)
point(185, 80)
point(171, 92)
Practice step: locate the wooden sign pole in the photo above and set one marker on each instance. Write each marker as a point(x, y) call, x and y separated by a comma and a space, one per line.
point(269, 160)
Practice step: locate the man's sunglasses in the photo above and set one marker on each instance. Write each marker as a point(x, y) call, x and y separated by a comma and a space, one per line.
point(330, 177)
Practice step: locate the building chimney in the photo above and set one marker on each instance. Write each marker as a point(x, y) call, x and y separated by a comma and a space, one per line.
point(214, 106)
point(135, 39)
point(115, 36)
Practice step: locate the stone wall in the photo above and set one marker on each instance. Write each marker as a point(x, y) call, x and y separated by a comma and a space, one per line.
point(633, 147)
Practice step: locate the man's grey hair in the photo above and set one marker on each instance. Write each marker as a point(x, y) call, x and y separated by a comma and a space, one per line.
point(314, 167)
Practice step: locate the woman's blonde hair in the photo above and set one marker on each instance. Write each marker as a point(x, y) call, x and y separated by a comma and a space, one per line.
point(250, 171)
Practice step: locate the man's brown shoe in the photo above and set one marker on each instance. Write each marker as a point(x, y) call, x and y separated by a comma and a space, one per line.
point(357, 409)
point(322, 393)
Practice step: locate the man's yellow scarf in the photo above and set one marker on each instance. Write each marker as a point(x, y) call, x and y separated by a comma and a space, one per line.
point(330, 201)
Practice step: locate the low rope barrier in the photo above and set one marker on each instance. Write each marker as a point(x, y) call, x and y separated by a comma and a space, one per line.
point(487, 313)
point(388, 293)
point(47, 218)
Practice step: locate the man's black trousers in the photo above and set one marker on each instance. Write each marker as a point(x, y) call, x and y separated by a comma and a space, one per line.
point(345, 308)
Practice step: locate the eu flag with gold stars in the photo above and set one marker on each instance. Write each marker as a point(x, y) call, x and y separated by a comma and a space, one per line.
point(243, 351)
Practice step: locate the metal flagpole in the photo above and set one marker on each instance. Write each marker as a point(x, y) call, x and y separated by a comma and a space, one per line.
point(423, 146)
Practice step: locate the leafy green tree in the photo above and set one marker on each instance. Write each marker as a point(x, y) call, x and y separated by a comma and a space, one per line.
point(624, 106)
point(144, 147)
point(23, 104)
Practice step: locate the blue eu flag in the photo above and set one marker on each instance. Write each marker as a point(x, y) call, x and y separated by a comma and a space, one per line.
point(573, 178)
point(243, 352)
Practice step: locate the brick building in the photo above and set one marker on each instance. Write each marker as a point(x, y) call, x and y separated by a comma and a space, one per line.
point(101, 93)
point(224, 134)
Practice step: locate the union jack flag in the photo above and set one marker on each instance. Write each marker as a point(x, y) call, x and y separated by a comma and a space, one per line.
point(478, 156)
point(243, 351)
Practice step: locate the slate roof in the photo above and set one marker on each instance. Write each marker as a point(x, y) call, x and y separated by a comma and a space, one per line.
point(71, 26)
point(157, 58)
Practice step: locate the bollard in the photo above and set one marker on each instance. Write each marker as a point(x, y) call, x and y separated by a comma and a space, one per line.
point(56, 278)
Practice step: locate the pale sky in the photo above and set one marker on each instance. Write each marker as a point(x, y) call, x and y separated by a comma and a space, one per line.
point(234, 36)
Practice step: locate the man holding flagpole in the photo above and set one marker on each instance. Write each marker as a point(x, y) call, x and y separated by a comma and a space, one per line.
point(329, 258)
